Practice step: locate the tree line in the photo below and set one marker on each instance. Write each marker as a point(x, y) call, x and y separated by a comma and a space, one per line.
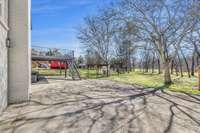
point(161, 35)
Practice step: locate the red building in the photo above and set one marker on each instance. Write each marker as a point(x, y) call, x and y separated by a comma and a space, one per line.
point(58, 65)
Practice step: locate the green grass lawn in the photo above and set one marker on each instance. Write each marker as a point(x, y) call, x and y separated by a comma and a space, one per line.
point(149, 80)
point(49, 72)
point(91, 74)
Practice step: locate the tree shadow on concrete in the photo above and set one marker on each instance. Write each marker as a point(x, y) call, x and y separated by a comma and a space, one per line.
point(182, 108)
point(89, 106)
point(110, 107)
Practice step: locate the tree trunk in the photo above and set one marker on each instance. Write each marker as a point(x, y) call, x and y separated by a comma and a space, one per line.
point(129, 61)
point(146, 67)
point(176, 68)
point(197, 61)
point(107, 72)
point(172, 67)
point(180, 64)
point(159, 70)
point(153, 62)
point(187, 65)
point(133, 65)
point(193, 64)
point(167, 75)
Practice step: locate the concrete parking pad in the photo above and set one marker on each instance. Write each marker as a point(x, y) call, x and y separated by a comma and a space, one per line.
point(101, 106)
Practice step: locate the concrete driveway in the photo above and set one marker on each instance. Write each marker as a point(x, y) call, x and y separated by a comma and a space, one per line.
point(100, 106)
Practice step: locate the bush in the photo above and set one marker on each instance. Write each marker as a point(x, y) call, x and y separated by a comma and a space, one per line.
point(34, 73)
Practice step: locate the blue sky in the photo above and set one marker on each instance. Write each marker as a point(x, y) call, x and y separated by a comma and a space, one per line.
point(54, 22)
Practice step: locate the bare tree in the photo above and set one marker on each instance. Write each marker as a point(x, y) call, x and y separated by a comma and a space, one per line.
point(97, 36)
point(193, 64)
point(165, 23)
point(162, 29)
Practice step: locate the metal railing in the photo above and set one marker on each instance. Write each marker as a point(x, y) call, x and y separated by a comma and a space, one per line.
point(52, 52)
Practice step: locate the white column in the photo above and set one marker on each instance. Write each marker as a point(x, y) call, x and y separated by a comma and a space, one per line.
point(19, 63)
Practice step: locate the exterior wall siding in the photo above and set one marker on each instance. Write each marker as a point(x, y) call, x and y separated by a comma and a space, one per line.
point(19, 75)
point(15, 61)
point(3, 62)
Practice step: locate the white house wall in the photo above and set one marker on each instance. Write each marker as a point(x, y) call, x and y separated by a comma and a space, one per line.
point(3, 58)
point(19, 53)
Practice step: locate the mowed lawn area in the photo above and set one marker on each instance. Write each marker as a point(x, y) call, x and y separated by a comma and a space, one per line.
point(137, 78)
point(149, 80)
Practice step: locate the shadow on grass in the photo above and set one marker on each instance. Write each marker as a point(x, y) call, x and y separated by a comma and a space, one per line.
point(163, 87)
point(147, 73)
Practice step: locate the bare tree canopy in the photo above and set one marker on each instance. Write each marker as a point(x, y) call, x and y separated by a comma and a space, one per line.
point(162, 28)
